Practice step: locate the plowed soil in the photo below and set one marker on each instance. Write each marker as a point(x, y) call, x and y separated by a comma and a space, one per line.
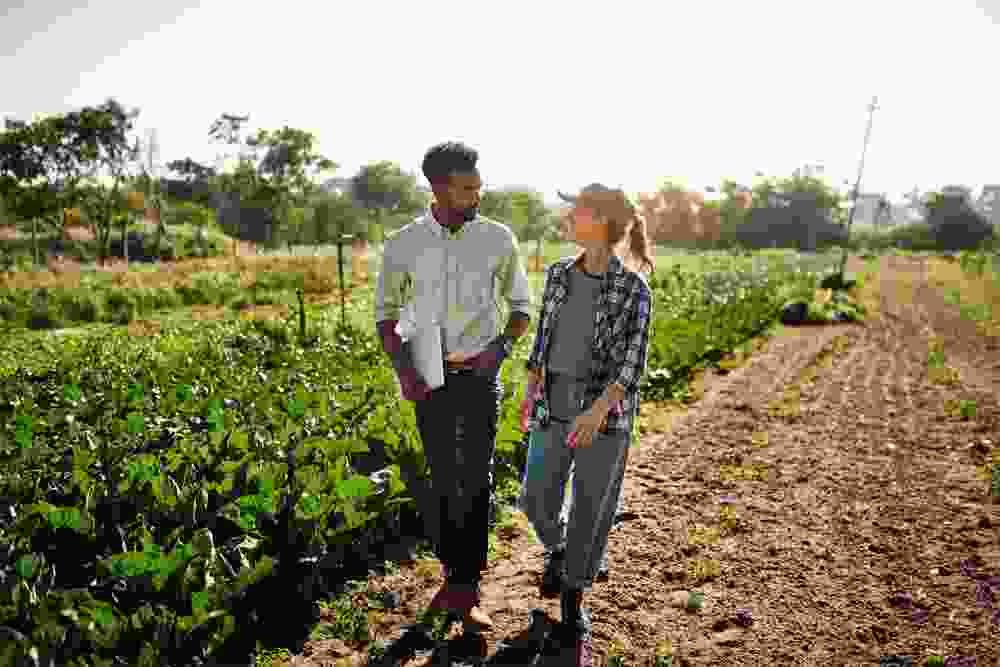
point(867, 487)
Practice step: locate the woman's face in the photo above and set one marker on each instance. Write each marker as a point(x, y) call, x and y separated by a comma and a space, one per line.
point(589, 230)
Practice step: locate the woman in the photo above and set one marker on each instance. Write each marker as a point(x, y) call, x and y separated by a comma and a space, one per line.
point(588, 358)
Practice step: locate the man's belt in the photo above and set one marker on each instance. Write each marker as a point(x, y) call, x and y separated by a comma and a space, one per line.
point(458, 368)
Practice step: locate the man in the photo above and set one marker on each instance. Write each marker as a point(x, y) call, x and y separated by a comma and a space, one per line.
point(448, 267)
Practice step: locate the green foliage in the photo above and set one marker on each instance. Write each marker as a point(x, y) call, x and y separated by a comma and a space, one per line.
point(216, 479)
point(702, 313)
point(334, 214)
point(531, 219)
point(389, 194)
point(496, 205)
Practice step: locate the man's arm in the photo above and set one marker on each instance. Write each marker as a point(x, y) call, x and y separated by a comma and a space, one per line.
point(391, 292)
point(391, 287)
point(516, 289)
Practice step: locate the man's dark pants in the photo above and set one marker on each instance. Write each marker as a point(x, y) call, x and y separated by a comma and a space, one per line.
point(458, 426)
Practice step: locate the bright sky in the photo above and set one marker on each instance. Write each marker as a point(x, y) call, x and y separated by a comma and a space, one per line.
point(552, 94)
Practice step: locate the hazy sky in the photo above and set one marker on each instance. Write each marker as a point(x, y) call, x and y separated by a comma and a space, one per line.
point(553, 94)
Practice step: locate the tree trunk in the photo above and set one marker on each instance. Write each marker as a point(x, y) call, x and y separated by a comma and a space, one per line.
point(34, 238)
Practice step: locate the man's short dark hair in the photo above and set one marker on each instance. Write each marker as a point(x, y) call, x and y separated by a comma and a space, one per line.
point(451, 157)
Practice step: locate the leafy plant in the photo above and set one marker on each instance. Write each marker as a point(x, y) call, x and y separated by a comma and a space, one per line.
point(664, 655)
point(696, 600)
point(616, 654)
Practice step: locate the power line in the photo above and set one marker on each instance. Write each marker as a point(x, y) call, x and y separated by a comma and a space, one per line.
point(857, 185)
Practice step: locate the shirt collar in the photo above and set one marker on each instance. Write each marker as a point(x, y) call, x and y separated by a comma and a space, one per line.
point(440, 231)
point(615, 264)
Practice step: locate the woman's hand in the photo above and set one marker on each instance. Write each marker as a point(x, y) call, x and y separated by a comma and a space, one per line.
point(586, 426)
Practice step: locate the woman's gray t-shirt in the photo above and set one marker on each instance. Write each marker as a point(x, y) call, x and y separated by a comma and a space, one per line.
point(572, 337)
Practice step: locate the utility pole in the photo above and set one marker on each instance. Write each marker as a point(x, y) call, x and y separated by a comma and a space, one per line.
point(857, 185)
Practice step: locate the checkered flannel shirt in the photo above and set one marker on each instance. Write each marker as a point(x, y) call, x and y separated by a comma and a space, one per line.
point(621, 334)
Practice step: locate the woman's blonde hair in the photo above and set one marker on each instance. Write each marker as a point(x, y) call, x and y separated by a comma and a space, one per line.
point(623, 221)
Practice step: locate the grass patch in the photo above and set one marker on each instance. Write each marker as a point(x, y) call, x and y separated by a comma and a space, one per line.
point(938, 370)
point(700, 570)
point(749, 473)
point(701, 536)
point(961, 409)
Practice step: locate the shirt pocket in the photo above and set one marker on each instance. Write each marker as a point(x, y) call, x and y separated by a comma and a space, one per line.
point(476, 283)
point(428, 280)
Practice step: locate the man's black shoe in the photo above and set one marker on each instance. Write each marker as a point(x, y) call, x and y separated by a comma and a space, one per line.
point(552, 577)
point(575, 619)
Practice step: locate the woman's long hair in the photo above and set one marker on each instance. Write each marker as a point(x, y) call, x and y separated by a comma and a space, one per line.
point(637, 254)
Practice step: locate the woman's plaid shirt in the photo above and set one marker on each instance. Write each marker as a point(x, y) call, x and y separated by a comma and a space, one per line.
point(621, 334)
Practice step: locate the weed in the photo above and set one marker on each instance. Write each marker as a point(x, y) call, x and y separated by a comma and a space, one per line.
point(350, 620)
point(788, 405)
point(703, 536)
point(616, 654)
point(759, 439)
point(964, 409)
point(752, 472)
point(944, 375)
point(703, 569)
point(272, 657)
point(498, 549)
point(935, 353)
point(728, 519)
point(664, 656)
point(426, 568)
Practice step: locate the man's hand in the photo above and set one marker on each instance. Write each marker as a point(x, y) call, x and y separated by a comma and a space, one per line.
point(413, 386)
point(585, 426)
point(487, 363)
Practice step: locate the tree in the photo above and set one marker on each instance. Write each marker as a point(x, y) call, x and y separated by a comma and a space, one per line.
point(675, 215)
point(801, 211)
point(531, 219)
point(194, 183)
point(955, 224)
point(76, 159)
point(386, 193)
point(287, 170)
point(496, 205)
point(334, 214)
point(733, 208)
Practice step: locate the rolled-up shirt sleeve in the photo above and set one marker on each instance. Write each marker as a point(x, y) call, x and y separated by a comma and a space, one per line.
point(514, 285)
point(391, 286)
point(637, 337)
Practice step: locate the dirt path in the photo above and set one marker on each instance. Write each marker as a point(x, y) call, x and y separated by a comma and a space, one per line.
point(868, 488)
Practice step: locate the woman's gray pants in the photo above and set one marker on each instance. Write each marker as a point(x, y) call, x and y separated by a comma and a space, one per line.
point(598, 472)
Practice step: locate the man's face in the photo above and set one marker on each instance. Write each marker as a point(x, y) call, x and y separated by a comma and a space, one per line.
point(461, 195)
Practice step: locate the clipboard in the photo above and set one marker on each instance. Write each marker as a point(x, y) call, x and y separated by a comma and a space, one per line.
point(428, 354)
point(427, 348)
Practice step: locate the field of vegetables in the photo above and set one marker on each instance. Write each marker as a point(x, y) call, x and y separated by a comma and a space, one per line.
point(190, 497)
